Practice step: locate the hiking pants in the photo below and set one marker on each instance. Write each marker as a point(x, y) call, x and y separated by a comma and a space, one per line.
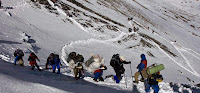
point(77, 72)
point(143, 74)
point(97, 75)
point(54, 68)
point(118, 72)
point(33, 66)
point(47, 65)
point(17, 58)
point(155, 88)
point(137, 74)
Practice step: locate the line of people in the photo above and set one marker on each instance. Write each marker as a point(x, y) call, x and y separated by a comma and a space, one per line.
point(52, 60)
point(95, 65)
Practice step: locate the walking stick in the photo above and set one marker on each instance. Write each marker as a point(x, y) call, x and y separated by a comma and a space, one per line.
point(131, 73)
point(125, 79)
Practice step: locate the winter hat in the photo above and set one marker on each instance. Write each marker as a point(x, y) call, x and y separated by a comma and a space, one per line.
point(33, 54)
point(122, 58)
point(143, 57)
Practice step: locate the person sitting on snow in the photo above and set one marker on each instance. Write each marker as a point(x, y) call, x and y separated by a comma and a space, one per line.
point(32, 61)
point(117, 62)
point(19, 57)
point(96, 66)
point(56, 63)
point(152, 81)
point(75, 63)
point(142, 66)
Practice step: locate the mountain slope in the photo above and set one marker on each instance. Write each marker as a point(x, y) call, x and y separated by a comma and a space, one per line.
point(101, 27)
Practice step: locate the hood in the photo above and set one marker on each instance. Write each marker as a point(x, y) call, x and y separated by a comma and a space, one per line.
point(143, 57)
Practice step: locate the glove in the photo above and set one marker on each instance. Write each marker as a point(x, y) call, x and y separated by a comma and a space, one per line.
point(129, 62)
point(102, 68)
point(60, 64)
point(39, 60)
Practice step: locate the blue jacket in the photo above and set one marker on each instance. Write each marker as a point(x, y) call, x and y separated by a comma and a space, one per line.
point(57, 61)
point(143, 63)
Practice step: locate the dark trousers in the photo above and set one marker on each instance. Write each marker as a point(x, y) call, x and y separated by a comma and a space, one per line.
point(47, 65)
point(119, 71)
point(33, 66)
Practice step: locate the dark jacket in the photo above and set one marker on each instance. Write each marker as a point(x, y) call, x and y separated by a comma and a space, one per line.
point(152, 80)
point(116, 63)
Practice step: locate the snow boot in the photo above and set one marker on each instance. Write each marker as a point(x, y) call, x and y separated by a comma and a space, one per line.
point(54, 71)
point(32, 67)
point(58, 71)
point(116, 79)
point(95, 80)
point(101, 79)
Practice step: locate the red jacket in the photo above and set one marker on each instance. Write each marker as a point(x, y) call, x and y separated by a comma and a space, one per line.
point(100, 70)
point(32, 59)
point(145, 63)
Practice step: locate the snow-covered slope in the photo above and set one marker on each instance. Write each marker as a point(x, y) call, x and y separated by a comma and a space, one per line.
point(101, 27)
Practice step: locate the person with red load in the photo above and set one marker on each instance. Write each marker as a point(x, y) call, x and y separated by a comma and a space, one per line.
point(32, 61)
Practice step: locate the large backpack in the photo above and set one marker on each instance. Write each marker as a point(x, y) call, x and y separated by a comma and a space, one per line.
point(80, 58)
point(115, 57)
point(155, 68)
point(72, 55)
point(56, 59)
point(18, 52)
point(89, 61)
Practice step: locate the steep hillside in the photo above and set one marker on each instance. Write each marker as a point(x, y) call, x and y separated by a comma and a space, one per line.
point(169, 34)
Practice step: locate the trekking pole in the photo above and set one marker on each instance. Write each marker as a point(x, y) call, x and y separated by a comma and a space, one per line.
point(131, 73)
point(125, 79)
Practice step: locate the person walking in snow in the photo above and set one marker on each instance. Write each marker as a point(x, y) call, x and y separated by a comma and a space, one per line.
point(32, 61)
point(152, 81)
point(49, 60)
point(55, 63)
point(75, 63)
point(142, 66)
point(130, 30)
point(96, 66)
point(117, 62)
point(99, 72)
point(19, 57)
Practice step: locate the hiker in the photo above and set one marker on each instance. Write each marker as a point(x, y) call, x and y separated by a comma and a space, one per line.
point(152, 81)
point(96, 66)
point(49, 60)
point(55, 63)
point(141, 67)
point(117, 62)
point(75, 63)
point(32, 61)
point(135, 29)
point(130, 30)
point(130, 19)
point(19, 57)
